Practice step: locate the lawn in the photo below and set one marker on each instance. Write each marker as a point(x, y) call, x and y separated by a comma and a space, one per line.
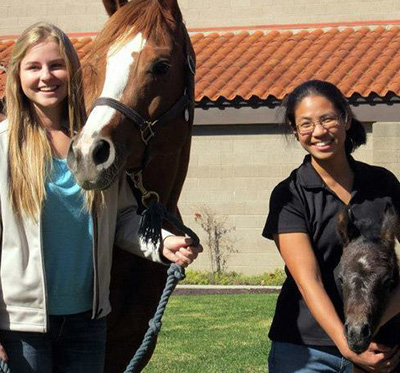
point(214, 334)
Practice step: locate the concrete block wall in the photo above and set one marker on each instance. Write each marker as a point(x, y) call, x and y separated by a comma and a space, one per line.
point(69, 15)
point(90, 16)
point(208, 13)
point(386, 143)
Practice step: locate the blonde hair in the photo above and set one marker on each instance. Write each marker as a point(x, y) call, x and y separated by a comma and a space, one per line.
point(30, 151)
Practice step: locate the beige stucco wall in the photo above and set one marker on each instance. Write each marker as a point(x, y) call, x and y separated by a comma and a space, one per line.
point(89, 15)
point(211, 13)
point(234, 169)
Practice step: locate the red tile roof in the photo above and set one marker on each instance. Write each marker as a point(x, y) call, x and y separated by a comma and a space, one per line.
point(263, 64)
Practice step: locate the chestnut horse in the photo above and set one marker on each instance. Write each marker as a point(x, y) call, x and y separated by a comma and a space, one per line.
point(139, 79)
point(368, 271)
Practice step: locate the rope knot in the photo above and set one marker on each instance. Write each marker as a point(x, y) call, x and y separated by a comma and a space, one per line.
point(177, 271)
point(155, 326)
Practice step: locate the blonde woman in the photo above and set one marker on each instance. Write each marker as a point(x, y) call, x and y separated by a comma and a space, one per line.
point(56, 242)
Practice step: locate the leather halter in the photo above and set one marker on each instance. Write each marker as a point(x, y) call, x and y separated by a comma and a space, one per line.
point(148, 129)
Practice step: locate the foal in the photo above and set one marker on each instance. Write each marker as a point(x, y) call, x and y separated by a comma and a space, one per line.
point(368, 271)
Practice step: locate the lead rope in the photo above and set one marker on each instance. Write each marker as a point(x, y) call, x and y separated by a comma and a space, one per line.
point(175, 273)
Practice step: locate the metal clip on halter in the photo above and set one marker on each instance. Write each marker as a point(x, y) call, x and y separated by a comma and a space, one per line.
point(147, 196)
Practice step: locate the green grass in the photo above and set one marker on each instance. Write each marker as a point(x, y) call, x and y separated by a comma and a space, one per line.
point(214, 334)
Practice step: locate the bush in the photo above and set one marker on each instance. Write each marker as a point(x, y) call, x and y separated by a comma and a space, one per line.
point(275, 278)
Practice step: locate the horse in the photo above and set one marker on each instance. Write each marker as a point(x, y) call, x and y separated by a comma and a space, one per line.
point(368, 272)
point(139, 82)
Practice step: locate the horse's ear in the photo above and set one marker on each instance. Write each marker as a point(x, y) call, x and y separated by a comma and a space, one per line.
point(390, 225)
point(169, 4)
point(346, 229)
point(172, 7)
point(113, 5)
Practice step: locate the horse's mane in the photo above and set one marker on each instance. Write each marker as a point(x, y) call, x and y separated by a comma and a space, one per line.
point(146, 16)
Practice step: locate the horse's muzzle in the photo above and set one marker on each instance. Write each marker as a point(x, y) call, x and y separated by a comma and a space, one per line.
point(93, 168)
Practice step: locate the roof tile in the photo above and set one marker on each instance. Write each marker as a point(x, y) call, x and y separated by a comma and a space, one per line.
point(269, 63)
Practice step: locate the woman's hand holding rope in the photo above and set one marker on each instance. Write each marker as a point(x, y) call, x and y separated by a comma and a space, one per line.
point(178, 249)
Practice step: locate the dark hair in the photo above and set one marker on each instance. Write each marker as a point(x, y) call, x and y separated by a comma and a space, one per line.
point(356, 134)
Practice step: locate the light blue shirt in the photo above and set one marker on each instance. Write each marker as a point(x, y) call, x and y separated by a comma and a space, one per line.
point(67, 232)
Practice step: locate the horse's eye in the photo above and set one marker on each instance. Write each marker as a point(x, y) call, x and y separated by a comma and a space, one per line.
point(340, 279)
point(160, 68)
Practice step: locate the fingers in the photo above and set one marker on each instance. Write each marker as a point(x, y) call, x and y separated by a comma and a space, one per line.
point(186, 255)
point(388, 360)
point(172, 242)
point(393, 363)
point(177, 249)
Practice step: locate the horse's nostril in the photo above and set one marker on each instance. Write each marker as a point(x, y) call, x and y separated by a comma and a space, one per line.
point(101, 152)
point(366, 331)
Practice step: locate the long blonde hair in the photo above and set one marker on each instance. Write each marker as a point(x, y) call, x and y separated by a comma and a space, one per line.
point(29, 151)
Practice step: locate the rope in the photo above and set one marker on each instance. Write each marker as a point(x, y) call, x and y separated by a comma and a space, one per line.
point(175, 274)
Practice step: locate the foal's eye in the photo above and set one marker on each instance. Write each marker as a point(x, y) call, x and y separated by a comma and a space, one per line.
point(387, 281)
point(160, 68)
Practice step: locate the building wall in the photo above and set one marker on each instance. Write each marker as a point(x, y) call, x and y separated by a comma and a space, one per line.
point(69, 15)
point(90, 16)
point(211, 13)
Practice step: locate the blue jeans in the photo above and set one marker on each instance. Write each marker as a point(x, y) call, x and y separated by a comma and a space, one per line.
point(73, 344)
point(291, 358)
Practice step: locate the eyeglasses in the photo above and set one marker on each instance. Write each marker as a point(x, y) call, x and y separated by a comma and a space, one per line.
point(328, 122)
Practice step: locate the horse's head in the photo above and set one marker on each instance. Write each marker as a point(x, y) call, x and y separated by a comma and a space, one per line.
point(368, 272)
point(139, 81)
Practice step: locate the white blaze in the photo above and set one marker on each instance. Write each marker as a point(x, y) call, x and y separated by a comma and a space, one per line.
point(116, 79)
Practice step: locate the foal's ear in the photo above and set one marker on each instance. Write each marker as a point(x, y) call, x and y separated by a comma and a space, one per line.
point(113, 5)
point(346, 229)
point(390, 225)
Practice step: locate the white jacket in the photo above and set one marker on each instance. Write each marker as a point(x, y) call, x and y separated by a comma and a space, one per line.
point(23, 298)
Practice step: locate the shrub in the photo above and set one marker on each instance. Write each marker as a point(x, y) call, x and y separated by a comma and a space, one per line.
point(275, 278)
point(220, 244)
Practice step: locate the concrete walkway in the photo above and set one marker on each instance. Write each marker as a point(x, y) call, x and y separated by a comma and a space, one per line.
point(224, 289)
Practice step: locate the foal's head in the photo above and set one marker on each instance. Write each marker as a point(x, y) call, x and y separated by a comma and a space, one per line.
point(140, 60)
point(368, 271)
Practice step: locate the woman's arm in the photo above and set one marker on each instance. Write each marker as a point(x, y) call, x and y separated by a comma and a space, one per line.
point(297, 252)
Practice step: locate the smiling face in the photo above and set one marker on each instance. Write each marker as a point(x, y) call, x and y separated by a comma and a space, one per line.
point(44, 77)
point(322, 143)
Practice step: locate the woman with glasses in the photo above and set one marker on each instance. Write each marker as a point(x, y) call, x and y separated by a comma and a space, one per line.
point(307, 332)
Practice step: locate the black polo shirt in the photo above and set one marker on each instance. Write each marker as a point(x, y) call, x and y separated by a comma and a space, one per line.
point(304, 203)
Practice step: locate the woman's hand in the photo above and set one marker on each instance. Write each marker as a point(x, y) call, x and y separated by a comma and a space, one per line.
point(377, 358)
point(178, 249)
